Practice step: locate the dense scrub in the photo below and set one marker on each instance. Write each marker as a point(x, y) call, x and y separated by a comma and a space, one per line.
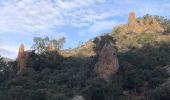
point(49, 76)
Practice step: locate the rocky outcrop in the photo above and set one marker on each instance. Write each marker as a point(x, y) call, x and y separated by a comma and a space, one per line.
point(20, 61)
point(149, 24)
point(85, 50)
point(132, 24)
point(51, 46)
point(107, 63)
point(23, 58)
point(78, 98)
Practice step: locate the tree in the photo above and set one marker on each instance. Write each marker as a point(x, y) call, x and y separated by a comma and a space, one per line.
point(58, 44)
point(3, 64)
point(41, 44)
point(103, 40)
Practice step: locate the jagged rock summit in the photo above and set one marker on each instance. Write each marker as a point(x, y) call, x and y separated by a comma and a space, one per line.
point(107, 63)
point(149, 24)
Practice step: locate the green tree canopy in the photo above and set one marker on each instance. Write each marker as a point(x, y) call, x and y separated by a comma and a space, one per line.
point(40, 44)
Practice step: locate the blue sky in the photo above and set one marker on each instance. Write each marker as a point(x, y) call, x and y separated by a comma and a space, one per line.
point(77, 20)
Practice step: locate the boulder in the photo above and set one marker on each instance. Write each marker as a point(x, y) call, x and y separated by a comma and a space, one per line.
point(78, 98)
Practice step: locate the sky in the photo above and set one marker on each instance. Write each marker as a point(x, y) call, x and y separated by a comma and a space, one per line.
point(76, 20)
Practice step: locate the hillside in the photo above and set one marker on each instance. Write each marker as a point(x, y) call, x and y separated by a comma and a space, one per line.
point(7, 59)
point(129, 63)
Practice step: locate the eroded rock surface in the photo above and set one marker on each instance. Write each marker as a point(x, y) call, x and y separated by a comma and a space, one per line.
point(107, 63)
point(149, 24)
point(51, 46)
point(23, 58)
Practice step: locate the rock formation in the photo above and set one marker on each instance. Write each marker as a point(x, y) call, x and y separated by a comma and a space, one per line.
point(20, 58)
point(107, 63)
point(149, 24)
point(78, 98)
point(23, 58)
point(132, 24)
point(132, 19)
point(51, 46)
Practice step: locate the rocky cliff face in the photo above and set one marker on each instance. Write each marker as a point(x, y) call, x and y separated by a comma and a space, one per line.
point(23, 58)
point(107, 63)
point(149, 24)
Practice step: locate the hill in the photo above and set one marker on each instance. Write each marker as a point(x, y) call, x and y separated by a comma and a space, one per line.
point(129, 63)
point(7, 59)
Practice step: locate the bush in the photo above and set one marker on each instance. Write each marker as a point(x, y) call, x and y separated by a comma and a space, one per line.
point(161, 93)
point(98, 89)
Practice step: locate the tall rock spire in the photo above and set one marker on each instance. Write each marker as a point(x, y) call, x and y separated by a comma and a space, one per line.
point(132, 19)
point(133, 25)
point(21, 58)
point(51, 46)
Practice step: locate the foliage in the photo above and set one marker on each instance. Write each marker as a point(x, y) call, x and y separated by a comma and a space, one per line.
point(165, 23)
point(59, 42)
point(109, 90)
point(40, 44)
point(133, 40)
point(146, 38)
point(161, 93)
point(51, 76)
point(103, 40)
point(166, 26)
point(2, 65)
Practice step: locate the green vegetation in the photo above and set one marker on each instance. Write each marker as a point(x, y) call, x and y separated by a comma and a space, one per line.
point(41, 44)
point(51, 76)
point(133, 40)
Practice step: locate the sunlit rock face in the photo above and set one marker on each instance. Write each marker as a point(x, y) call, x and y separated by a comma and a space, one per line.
point(132, 24)
point(23, 58)
point(107, 63)
point(149, 24)
point(51, 46)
